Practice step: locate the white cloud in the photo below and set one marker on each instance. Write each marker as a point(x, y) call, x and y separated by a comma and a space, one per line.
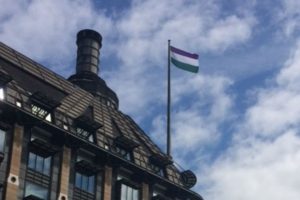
point(259, 170)
point(142, 46)
point(200, 106)
point(289, 16)
point(46, 30)
point(228, 32)
point(276, 109)
point(263, 158)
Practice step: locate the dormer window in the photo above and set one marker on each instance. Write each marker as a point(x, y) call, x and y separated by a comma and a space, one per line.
point(4, 79)
point(41, 113)
point(82, 133)
point(158, 169)
point(86, 127)
point(85, 134)
point(124, 153)
point(42, 106)
point(124, 147)
point(158, 163)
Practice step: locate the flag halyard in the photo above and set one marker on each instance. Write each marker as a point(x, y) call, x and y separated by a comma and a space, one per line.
point(184, 60)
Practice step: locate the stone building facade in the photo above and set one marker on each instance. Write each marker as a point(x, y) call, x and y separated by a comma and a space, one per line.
point(66, 139)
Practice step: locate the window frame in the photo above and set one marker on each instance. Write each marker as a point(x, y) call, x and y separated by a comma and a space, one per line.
point(87, 191)
point(85, 134)
point(86, 188)
point(134, 188)
point(27, 182)
point(39, 112)
point(2, 142)
point(40, 159)
point(160, 171)
point(122, 152)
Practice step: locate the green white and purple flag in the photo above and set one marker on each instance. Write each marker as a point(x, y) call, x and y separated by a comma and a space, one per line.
point(184, 60)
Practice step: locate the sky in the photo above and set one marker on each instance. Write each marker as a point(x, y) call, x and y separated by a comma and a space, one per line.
point(235, 123)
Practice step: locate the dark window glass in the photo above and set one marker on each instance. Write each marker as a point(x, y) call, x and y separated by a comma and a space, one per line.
point(40, 112)
point(35, 190)
point(129, 193)
point(39, 163)
point(85, 134)
point(84, 182)
point(124, 153)
point(158, 170)
point(2, 140)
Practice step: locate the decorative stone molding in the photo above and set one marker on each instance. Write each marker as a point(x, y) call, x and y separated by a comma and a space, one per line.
point(13, 179)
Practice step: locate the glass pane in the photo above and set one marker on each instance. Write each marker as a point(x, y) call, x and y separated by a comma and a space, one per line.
point(91, 138)
point(36, 190)
point(135, 195)
point(42, 113)
point(34, 109)
point(1, 94)
point(91, 186)
point(84, 185)
point(129, 193)
point(31, 161)
point(78, 180)
point(48, 118)
point(39, 164)
point(47, 166)
point(2, 140)
point(123, 192)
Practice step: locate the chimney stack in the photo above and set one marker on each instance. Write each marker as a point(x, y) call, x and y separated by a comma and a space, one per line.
point(89, 43)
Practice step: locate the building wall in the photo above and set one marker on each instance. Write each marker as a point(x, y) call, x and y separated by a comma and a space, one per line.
point(117, 174)
point(62, 180)
point(4, 166)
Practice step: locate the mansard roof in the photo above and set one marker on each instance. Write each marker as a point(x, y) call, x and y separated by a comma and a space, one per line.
point(30, 77)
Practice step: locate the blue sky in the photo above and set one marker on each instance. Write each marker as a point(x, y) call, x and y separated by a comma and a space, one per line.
point(235, 123)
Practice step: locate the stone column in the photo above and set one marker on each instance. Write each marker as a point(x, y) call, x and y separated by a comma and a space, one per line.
point(15, 164)
point(65, 174)
point(145, 191)
point(107, 183)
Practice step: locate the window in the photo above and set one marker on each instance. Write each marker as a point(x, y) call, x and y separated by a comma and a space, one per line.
point(123, 152)
point(85, 175)
point(128, 193)
point(85, 134)
point(84, 182)
point(82, 133)
point(35, 190)
point(39, 164)
point(161, 193)
point(157, 170)
point(2, 140)
point(40, 112)
point(2, 96)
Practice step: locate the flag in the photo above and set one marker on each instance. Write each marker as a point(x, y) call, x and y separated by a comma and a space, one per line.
point(184, 60)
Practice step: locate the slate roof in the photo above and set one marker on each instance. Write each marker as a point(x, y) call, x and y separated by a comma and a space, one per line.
point(74, 101)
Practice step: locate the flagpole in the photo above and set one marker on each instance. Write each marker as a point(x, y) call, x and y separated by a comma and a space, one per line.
point(169, 104)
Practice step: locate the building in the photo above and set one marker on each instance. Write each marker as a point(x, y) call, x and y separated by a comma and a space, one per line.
point(66, 139)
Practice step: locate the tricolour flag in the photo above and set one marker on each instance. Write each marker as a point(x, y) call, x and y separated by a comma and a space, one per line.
point(184, 60)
